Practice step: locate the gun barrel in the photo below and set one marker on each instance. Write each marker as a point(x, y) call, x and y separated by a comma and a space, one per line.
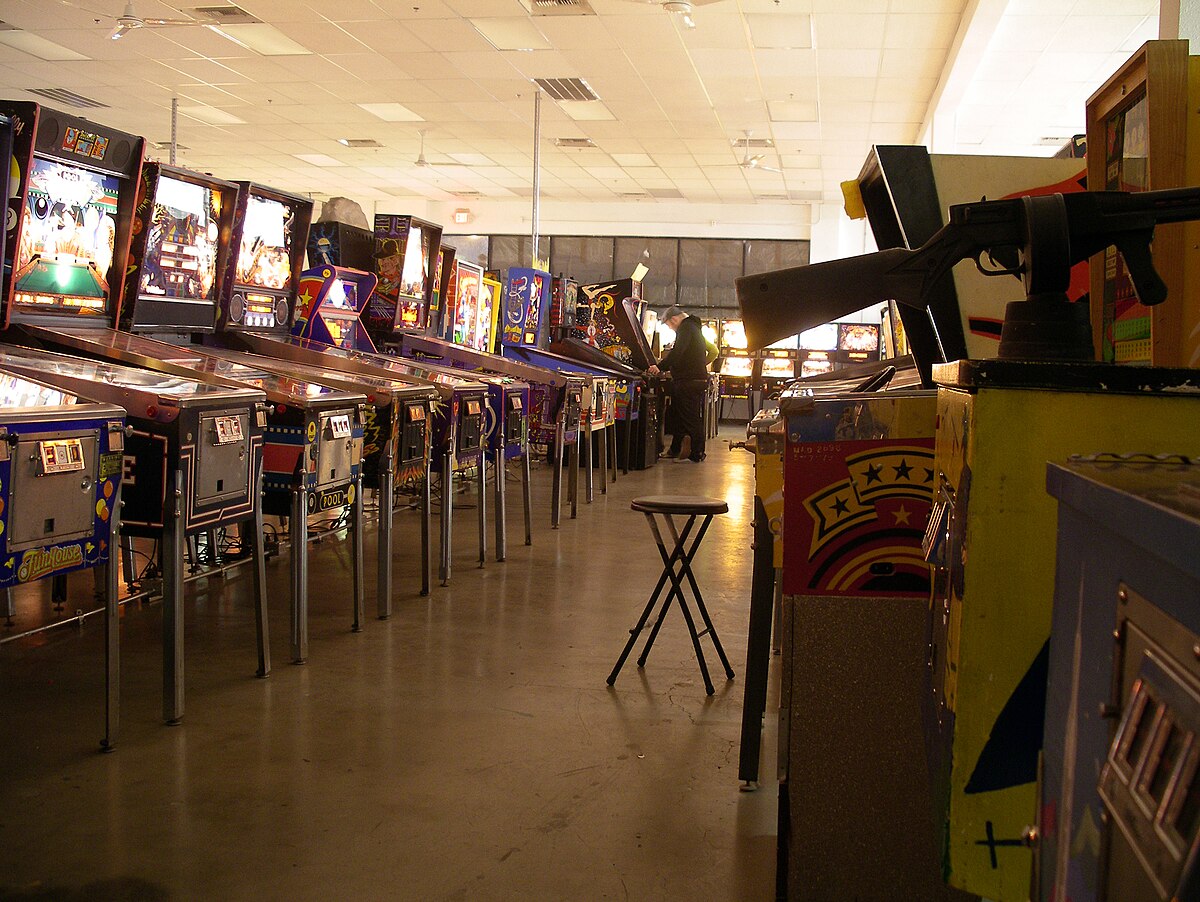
point(1166, 205)
point(777, 304)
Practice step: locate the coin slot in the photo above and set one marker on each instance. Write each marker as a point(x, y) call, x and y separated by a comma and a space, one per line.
point(48, 526)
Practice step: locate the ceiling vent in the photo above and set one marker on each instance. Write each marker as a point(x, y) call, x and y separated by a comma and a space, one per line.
point(70, 98)
point(566, 88)
point(469, 195)
point(666, 193)
point(758, 143)
point(359, 142)
point(225, 15)
point(558, 7)
point(641, 195)
point(574, 142)
point(166, 145)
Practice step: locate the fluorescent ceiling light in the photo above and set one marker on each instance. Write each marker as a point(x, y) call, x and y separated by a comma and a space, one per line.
point(632, 159)
point(318, 159)
point(791, 111)
point(585, 110)
point(511, 34)
point(391, 112)
point(780, 32)
point(262, 38)
point(211, 115)
point(39, 47)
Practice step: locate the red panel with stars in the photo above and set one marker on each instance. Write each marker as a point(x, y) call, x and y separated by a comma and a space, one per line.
point(854, 516)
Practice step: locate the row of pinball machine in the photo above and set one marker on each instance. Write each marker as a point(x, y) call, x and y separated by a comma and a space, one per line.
point(171, 374)
point(980, 563)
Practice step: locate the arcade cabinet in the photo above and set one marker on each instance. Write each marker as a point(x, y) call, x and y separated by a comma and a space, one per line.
point(405, 257)
point(193, 460)
point(776, 368)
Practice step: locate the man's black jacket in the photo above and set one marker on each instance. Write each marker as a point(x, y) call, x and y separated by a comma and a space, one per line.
point(687, 360)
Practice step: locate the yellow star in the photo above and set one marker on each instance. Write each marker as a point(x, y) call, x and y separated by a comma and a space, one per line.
point(901, 514)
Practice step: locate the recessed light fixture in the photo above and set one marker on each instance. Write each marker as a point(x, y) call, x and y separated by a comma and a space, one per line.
point(391, 112)
point(38, 46)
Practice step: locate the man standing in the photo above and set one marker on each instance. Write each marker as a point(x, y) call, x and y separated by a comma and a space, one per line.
point(687, 363)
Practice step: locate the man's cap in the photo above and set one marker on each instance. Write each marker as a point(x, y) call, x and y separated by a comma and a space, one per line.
point(672, 311)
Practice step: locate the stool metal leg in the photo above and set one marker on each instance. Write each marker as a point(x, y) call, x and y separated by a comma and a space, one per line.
point(686, 570)
point(675, 555)
point(676, 578)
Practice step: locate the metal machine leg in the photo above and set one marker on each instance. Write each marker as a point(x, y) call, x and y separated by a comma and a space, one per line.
point(112, 632)
point(356, 552)
point(386, 495)
point(758, 648)
point(214, 554)
point(427, 528)
point(447, 514)
point(525, 492)
point(172, 566)
point(501, 508)
point(299, 542)
point(588, 493)
point(602, 448)
point(482, 506)
point(260, 583)
point(611, 439)
point(560, 440)
point(573, 481)
point(10, 607)
point(127, 567)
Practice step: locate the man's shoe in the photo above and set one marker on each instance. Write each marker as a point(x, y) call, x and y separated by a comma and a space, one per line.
point(696, 458)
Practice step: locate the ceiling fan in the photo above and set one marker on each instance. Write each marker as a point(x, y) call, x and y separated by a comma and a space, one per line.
point(130, 20)
point(754, 162)
point(682, 9)
point(423, 163)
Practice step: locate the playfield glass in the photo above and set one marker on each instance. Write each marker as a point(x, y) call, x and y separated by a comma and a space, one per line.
point(820, 338)
point(858, 337)
point(18, 392)
point(265, 257)
point(65, 248)
point(181, 247)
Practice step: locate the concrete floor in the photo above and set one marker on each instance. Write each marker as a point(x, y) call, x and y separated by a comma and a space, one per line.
point(468, 748)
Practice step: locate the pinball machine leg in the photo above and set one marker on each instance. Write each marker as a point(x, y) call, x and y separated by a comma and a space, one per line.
point(589, 493)
point(482, 506)
point(172, 587)
point(610, 438)
point(112, 632)
point(602, 449)
point(127, 567)
point(299, 542)
point(501, 507)
point(560, 434)
point(526, 492)
point(385, 499)
point(259, 551)
point(627, 455)
point(427, 528)
point(447, 515)
point(356, 553)
point(573, 480)
point(10, 607)
point(214, 553)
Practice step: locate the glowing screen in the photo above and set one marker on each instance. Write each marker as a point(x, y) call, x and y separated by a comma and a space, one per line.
point(181, 246)
point(264, 258)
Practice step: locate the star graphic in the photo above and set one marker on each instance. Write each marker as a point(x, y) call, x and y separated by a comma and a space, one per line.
point(873, 473)
point(901, 514)
point(928, 474)
point(903, 470)
point(305, 298)
point(840, 506)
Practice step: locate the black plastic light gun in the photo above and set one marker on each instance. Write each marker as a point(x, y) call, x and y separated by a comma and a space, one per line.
point(1036, 239)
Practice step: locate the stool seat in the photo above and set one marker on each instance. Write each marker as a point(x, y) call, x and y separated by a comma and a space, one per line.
point(679, 504)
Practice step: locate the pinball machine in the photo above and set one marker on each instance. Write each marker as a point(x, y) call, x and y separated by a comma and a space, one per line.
point(193, 460)
point(184, 225)
point(737, 366)
point(505, 419)
point(776, 367)
point(61, 458)
point(564, 298)
point(455, 421)
point(608, 318)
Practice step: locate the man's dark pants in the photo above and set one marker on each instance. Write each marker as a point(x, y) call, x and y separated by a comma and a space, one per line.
point(687, 401)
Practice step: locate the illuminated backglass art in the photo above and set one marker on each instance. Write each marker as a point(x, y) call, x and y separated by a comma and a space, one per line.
point(181, 248)
point(264, 259)
point(66, 245)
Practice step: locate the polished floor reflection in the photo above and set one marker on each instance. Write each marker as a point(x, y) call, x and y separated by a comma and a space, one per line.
point(468, 748)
